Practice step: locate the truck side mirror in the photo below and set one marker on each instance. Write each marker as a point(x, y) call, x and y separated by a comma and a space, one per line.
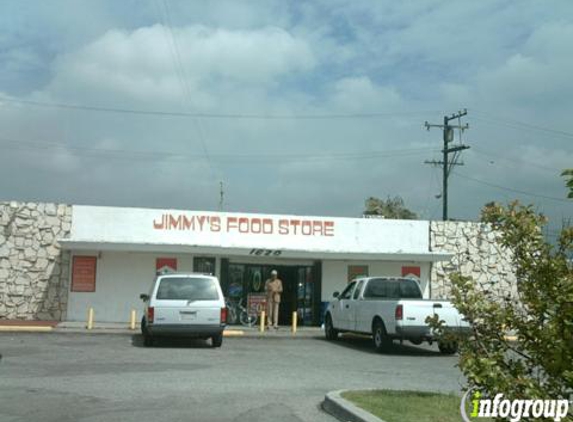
point(144, 297)
point(335, 294)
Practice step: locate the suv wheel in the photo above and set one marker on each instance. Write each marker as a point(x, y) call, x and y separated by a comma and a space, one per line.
point(217, 341)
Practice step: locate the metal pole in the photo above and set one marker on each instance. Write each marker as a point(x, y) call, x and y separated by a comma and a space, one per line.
point(132, 318)
point(294, 322)
point(90, 318)
point(262, 327)
point(445, 173)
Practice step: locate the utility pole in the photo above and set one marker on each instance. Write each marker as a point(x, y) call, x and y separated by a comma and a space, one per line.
point(221, 196)
point(446, 163)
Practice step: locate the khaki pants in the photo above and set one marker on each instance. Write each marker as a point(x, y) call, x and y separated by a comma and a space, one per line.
point(273, 313)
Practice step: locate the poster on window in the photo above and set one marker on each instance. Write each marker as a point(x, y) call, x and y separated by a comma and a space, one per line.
point(84, 273)
point(411, 272)
point(165, 265)
point(356, 271)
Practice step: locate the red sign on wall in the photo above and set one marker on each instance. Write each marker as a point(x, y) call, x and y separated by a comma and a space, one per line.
point(84, 273)
point(355, 271)
point(411, 272)
point(165, 265)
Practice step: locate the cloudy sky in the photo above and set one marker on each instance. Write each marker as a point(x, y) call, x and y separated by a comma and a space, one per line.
point(297, 107)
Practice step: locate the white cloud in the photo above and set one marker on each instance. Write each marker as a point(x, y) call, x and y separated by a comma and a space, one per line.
point(155, 64)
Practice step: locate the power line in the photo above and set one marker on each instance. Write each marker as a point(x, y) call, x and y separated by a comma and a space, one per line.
point(493, 185)
point(174, 155)
point(230, 116)
point(514, 160)
point(516, 124)
point(182, 75)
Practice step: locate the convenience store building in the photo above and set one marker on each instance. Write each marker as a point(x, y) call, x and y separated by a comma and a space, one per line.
point(116, 252)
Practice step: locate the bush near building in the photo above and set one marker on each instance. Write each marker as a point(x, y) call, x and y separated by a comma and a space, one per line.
point(538, 362)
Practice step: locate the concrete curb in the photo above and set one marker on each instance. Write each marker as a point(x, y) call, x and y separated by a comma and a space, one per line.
point(345, 411)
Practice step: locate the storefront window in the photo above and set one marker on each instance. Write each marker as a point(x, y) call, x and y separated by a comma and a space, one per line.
point(204, 265)
point(236, 281)
point(245, 283)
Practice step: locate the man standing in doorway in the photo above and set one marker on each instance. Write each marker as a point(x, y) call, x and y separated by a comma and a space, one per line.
point(274, 288)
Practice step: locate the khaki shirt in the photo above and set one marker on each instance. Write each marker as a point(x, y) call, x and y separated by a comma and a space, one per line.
point(274, 288)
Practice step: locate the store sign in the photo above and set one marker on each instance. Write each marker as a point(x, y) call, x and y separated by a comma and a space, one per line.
point(255, 234)
point(84, 273)
point(257, 302)
point(244, 225)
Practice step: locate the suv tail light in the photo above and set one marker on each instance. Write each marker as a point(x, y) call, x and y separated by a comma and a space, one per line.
point(150, 314)
point(399, 314)
point(223, 315)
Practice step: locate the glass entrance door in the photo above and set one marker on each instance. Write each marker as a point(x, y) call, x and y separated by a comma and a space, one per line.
point(298, 288)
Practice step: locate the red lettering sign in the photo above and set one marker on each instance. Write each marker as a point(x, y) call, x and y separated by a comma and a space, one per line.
point(245, 225)
point(84, 273)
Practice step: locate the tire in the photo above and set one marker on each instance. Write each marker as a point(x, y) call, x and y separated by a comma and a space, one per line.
point(217, 341)
point(330, 332)
point(381, 340)
point(248, 320)
point(449, 348)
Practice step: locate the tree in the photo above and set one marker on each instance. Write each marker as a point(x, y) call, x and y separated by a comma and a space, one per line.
point(392, 208)
point(539, 363)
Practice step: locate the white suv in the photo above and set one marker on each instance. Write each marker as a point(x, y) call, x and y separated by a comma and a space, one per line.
point(184, 305)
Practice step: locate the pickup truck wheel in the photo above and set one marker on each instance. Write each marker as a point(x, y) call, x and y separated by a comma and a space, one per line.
point(448, 348)
point(148, 340)
point(381, 340)
point(329, 330)
point(217, 341)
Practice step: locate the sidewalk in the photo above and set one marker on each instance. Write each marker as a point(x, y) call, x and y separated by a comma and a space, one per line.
point(123, 328)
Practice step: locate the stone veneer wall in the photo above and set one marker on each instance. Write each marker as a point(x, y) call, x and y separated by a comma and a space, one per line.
point(477, 253)
point(34, 271)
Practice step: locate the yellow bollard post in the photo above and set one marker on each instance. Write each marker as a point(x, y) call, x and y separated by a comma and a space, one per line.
point(132, 317)
point(294, 322)
point(90, 318)
point(262, 328)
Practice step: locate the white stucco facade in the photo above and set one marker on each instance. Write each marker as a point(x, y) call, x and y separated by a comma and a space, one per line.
point(128, 242)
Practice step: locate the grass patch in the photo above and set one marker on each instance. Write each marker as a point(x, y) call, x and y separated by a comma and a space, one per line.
point(409, 406)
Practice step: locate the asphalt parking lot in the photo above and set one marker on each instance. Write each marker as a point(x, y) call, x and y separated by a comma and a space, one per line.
point(86, 377)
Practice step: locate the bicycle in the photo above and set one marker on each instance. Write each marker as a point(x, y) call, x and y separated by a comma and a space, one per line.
point(237, 312)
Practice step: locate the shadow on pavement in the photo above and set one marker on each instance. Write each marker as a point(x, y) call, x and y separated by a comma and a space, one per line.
point(172, 343)
point(365, 345)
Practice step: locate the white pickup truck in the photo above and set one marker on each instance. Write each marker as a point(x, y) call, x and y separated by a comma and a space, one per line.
point(387, 309)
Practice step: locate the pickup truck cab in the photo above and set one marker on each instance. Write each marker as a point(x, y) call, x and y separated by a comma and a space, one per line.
point(388, 309)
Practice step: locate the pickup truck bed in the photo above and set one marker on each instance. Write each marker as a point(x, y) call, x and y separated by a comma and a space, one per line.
point(388, 309)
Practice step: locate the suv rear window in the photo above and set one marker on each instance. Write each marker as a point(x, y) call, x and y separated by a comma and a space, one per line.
point(379, 288)
point(185, 288)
